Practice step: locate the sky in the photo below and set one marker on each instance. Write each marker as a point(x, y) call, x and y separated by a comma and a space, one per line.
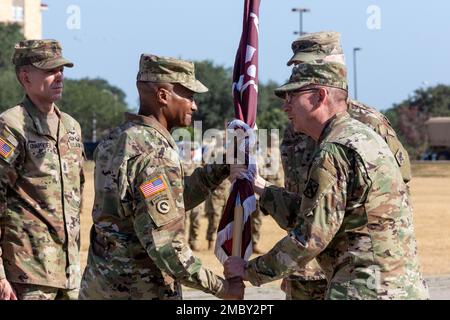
point(405, 45)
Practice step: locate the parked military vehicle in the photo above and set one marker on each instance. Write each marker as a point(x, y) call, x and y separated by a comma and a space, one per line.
point(438, 133)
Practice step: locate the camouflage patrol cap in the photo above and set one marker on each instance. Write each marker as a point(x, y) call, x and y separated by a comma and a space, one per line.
point(317, 46)
point(328, 74)
point(42, 54)
point(169, 70)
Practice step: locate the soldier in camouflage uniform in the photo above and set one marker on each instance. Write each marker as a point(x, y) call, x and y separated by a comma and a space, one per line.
point(137, 243)
point(354, 214)
point(217, 199)
point(297, 150)
point(41, 181)
point(192, 216)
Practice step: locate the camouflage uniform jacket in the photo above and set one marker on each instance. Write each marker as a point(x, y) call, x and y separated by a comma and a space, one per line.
point(296, 154)
point(355, 217)
point(41, 185)
point(137, 243)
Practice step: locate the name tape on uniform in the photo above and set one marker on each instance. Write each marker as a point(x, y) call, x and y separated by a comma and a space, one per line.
point(153, 187)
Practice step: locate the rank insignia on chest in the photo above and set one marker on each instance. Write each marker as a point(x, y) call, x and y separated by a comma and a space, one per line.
point(311, 189)
point(153, 187)
point(5, 149)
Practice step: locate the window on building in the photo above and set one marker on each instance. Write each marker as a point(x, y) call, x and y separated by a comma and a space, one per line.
point(17, 14)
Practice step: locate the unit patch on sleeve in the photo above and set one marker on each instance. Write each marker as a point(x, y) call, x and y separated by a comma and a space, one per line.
point(311, 189)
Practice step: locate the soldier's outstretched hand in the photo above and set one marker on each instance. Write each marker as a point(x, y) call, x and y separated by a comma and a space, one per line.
point(6, 291)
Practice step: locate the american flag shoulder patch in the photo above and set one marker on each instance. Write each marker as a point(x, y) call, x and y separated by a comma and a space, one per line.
point(6, 149)
point(152, 187)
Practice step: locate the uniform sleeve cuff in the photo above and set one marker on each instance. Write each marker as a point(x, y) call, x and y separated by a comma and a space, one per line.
point(251, 273)
point(222, 288)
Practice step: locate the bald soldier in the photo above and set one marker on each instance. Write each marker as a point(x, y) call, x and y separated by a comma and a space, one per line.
point(297, 150)
point(137, 243)
point(41, 181)
point(354, 214)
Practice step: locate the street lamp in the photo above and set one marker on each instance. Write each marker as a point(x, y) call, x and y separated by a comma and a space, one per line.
point(300, 11)
point(354, 72)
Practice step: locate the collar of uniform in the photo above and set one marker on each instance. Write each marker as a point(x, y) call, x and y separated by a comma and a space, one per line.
point(335, 121)
point(151, 121)
point(38, 117)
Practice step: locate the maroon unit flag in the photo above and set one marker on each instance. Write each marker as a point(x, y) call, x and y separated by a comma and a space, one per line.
point(245, 98)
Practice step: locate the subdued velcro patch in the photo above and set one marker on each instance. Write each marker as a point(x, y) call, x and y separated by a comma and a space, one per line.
point(152, 187)
point(311, 189)
point(400, 157)
point(6, 149)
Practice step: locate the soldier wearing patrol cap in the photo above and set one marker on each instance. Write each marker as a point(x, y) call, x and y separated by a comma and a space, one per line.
point(41, 181)
point(137, 243)
point(354, 214)
point(297, 150)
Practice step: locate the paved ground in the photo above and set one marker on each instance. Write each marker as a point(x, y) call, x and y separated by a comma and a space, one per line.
point(439, 290)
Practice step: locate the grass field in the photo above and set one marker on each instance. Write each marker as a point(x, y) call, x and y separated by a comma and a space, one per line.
point(430, 191)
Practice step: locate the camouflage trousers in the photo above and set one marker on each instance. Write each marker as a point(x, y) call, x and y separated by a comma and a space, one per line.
point(213, 208)
point(104, 280)
point(34, 292)
point(192, 226)
point(299, 289)
point(256, 225)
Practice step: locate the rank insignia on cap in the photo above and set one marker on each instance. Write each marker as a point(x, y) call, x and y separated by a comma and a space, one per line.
point(153, 187)
point(311, 189)
point(5, 148)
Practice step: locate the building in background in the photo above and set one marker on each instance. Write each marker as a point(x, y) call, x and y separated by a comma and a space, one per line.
point(27, 13)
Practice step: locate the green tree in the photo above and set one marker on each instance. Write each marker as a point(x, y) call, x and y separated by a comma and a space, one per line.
point(10, 89)
point(87, 99)
point(215, 106)
point(270, 113)
point(10, 34)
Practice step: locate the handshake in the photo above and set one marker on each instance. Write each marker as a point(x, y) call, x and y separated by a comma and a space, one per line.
point(234, 272)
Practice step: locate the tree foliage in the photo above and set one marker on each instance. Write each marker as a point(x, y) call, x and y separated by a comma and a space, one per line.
point(89, 99)
point(10, 90)
point(216, 106)
point(10, 34)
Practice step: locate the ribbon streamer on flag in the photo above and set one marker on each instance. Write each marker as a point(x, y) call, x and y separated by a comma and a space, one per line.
point(245, 99)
